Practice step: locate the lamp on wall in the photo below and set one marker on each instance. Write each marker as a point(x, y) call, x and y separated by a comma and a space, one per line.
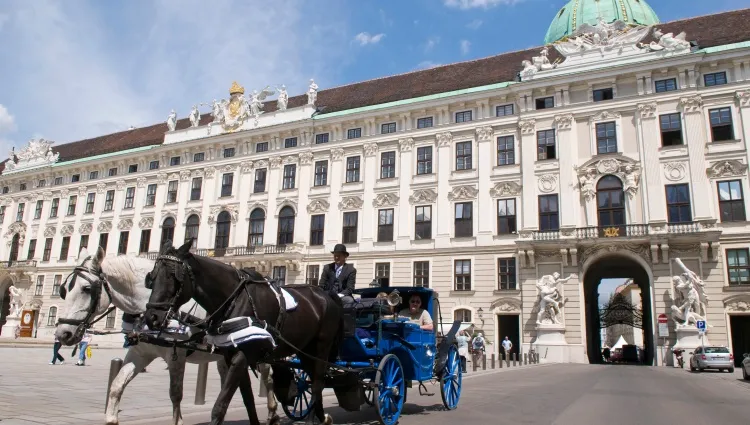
point(480, 314)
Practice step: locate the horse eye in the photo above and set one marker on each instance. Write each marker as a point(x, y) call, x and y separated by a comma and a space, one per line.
point(86, 289)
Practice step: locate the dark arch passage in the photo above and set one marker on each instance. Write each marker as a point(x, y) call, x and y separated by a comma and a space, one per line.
point(616, 266)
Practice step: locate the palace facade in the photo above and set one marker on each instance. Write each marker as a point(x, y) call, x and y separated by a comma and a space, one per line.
point(618, 147)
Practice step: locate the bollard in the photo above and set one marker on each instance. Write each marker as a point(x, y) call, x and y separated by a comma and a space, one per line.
point(114, 368)
point(484, 362)
point(514, 359)
point(507, 359)
point(474, 363)
point(525, 359)
point(536, 358)
point(492, 361)
point(200, 386)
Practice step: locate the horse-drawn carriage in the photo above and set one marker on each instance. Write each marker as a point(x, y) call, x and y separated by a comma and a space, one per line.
point(380, 357)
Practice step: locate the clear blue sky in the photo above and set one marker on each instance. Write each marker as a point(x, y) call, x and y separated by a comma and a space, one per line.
point(73, 69)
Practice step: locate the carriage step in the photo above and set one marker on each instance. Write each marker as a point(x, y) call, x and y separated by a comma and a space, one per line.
point(423, 390)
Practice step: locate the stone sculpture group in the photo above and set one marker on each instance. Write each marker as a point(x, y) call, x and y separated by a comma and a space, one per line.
point(550, 299)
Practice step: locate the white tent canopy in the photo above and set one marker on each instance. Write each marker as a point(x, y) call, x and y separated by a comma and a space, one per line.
point(444, 328)
point(620, 342)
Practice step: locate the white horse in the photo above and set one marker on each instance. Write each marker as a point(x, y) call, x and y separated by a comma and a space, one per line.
point(125, 276)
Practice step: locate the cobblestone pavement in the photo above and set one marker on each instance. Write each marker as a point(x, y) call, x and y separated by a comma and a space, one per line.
point(34, 392)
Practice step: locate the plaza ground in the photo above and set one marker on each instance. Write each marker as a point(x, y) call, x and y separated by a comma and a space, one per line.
point(33, 392)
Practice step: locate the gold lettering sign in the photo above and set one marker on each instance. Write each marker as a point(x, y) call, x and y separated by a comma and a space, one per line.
point(612, 232)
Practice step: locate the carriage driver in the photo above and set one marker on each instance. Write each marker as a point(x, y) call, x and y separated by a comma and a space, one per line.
point(338, 278)
point(416, 314)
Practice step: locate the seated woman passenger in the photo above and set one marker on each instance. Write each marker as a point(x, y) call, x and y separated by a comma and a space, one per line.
point(416, 314)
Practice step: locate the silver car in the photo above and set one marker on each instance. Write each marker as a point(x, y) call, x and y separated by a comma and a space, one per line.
point(712, 358)
point(746, 367)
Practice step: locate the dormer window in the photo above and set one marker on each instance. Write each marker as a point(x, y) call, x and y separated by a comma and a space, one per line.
point(132, 168)
point(604, 94)
point(545, 103)
point(75, 178)
point(354, 133)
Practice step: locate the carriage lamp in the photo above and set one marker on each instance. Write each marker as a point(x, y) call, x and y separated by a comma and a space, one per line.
point(480, 314)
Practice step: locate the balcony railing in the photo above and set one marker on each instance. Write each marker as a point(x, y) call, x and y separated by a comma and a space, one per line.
point(689, 227)
point(21, 263)
point(605, 232)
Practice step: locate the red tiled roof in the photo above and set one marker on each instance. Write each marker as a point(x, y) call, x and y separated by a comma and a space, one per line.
point(704, 31)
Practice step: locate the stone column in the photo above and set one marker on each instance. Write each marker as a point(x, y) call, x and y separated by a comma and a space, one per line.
point(273, 182)
point(334, 219)
point(695, 138)
point(528, 179)
point(444, 211)
point(370, 175)
point(648, 133)
point(405, 210)
point(567, 153)
point(304, 182)
point(485, 155)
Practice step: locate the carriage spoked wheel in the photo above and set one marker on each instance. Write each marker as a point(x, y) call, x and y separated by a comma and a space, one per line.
point(299, 408)
point(390, 391)
point(450, 383)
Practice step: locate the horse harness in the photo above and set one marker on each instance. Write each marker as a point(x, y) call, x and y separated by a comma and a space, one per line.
point(98, 286)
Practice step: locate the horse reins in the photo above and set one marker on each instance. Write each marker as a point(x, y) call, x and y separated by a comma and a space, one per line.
point(96, 292)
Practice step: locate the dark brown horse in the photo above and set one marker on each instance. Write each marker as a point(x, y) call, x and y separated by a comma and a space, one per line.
point(314, 326)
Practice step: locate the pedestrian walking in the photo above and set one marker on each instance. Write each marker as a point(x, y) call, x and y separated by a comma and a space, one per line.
point(507, 346)
point(463, 348)
point(606, 353)
point(478, 346)
point(83, 349)
point(56, 352)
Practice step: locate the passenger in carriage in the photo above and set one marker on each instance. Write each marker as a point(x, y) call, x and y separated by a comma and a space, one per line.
point(417, 314)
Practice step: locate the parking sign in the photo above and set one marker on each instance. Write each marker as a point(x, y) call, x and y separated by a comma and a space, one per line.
point(701, 325)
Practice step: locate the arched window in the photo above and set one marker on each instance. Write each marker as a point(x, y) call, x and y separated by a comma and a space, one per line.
point(257, 226)
point(223, 223)
point(462, 314)
point(191, 229)
point(14, 247)
point(286, 226)
point(52, 316)
point(610, 202)
point(167, 231)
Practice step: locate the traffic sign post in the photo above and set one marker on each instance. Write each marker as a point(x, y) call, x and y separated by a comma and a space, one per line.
point(701, 325)
point(663, 333)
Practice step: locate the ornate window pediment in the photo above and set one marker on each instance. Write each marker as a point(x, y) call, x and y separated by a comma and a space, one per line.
point(506, 304)
point(738, 303)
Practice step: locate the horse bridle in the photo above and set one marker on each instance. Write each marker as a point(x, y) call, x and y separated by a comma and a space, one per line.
point(98, 286)
point(179, 269)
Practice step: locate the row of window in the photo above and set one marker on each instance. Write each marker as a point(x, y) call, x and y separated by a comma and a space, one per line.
point(109, 322)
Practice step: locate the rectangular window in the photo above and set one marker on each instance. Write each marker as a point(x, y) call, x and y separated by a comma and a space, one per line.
point(388, 165)
point(388, 128)
point(195, 189)
point(671, 129)
point(721, 124)
point(122, 246)
point(422, 274)
point(549, 215)
point(731, 201)
point(53, 209)
point(290, 176)
point(506, 274)
point(226, 184)
point(2, 214)
point(175, 160)
point(58, 181)
point(279, 274)
point(103, 239)
point(354, 133)
point(545, 144)
point(464, 116)
point(321, 173)
point(349, 233)
point(199, 157)
point(43, 183)
point(39, 290)
point(109, 200)
point(352, 169)
point(504, 110)
point(463, 156)
point(74, 179)
point(129, 197)
point(19, 211)
point(425, 122)
point(259, 185)
point(93, 175)
point(172, 192)
point(84, 242)
point(153, 165)
point(56, 283)
point(423, 222)
point(47, 249)
point(90, 200)
point(22, 186)
point(313, 275)
point(545, 102)
point(464, 220)
point(506, 216)
point(32, 250)
point(132, 168)
point(112, 172)
point(72, 205)
point(145, 241)
point(383, 271)
point(64, 248)
point(38, 209)
point(738, 266)
point(606, 137)
point(321, 138)
point(663, 86)
point(385, 225)
point(678, 203)
point(603, 94)
point(317, 227)
point(462, 273)
point(261, 147)
point(424, 160)
point(506, 153)
point(715, 79)
point(228, 152)
point(290, 142)
point(150, 195)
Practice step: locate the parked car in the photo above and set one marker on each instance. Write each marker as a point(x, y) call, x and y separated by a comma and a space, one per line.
point(746, 366)
point(712, 358)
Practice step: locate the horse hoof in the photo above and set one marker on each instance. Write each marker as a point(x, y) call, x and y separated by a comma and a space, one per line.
point(328, 419)
point(274, 420)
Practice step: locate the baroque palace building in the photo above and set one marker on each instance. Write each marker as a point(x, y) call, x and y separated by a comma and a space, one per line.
point(618, 147)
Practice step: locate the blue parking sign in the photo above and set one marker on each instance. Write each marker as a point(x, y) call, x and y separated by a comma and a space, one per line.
point(701, 325)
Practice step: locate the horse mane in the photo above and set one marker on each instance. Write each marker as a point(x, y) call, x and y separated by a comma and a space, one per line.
point(127, 270)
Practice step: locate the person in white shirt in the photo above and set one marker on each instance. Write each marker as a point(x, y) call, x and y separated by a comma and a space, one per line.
point(507, 345)
point(85, 341)
point(416, 314)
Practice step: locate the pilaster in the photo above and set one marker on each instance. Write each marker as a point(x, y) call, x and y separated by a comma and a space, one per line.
point(444, 210)
point(743, 101)
point(567, 151)
point(696, 139)
point(304, 181)
point(648, 134)
point(485, 137)
point(370, 175)
point(273, 177)
point(404, 222)
point(528, 179)
point(334, 218)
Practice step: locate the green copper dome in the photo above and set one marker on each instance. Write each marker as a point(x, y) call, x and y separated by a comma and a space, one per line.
point(577, 12)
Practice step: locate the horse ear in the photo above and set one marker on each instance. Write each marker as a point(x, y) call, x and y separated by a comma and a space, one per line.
point(83, 254)
point(99, 256)
point(166, 247)
point(185, 248)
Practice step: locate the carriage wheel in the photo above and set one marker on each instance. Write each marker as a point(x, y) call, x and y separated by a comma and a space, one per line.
point(300, 403)
point(391, 389)
point(450, 384)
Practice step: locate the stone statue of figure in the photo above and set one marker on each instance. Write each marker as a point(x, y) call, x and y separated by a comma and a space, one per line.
point(631, 179)
point(255, 104)
point(689, 297)
point(586, 185)
point(312, 93)
point(172, 120)
point(550, 298)
point(195, 116)
point(217, 111)
point(16, 301)
point(283, 99)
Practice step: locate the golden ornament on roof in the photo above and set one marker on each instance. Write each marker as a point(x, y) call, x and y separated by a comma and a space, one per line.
point(236, 89)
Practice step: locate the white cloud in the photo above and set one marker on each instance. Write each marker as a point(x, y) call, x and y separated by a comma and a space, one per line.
point(365, 38)
point(475, 24)
point(485, 4)
point(427, 65)
point(385, 19)
point(7, 121)
point(465, 47)
point(431, 43)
